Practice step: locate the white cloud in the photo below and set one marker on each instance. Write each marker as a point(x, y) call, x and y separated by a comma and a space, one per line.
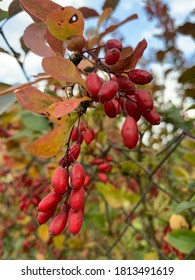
point(186, 44)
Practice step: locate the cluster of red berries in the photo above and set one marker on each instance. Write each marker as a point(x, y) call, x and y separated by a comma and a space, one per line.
point(70, 186)
point(83, 132)
point(104, 166)
point(120, 95)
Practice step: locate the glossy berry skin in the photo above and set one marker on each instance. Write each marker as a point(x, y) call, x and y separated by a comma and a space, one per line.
point(114, 43)
point(132, 110)
point(93, 83)
point(140, 77)
point(144, 99)
point(58, 224)
point(49, 201)
point(112, 56)
point(125, 85)
point(59, 180)
point(104, 167)
point(110, 109)
point(77, 199)
point(73, 153)
point(152, 117)
point(75, 220)
point(130, 132)
point(108, 91)
point(43, 217)
point(77, 176)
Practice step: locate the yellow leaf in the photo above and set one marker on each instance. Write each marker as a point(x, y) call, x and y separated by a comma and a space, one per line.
point(59, 241)
point(24, 220)
point(66, 22)
point(43, 233)
point(151, 256)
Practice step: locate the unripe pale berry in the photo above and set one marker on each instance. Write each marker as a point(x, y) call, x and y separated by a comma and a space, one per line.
point(140, 77)
point(108, 91)
point(59, 180)
point(130, 132)
point(93, 83)
point(49, 201)
point(77, 199)
point(144, 99)
point(58, 224)
point(112, 56)
point(75, 220)
point(77, 176)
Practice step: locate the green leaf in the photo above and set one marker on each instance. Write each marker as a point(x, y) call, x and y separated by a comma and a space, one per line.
point(184, 205)
point(35, 122)
point(116, 198)
point(188, 76)
point(6, 101)
point(3, 14)
point(183, 240)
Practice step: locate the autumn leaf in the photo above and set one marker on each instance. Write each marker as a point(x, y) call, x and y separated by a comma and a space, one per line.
point(67, 106)
point(88, 12)
point(104, 16)
point(34, 39)
point(63, 70)
point(56, 45)
point(39, 9)
point(35, 100)
point(63, 23)
point(52, 143)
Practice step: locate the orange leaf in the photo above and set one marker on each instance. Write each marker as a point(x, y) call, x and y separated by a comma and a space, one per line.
point(56, 45)
point(63, 70)
point(64, 23)
point(39, 9)
point(35, 100)
point(52, 143)
point(67, 106)
point(104, 16)
point(34, 39)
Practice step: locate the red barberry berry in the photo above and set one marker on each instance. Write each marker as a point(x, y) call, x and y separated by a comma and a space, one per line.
point(114, 43)
point(75, 220)
point(132, 109)
point(93, 83)
point(43, 217)
point(108, 91)
point(112, 56)
point(144, 100)
point(125, 85)
point(59, 180)
point(49, 201)
point(77, 176)
point(77, 199)
point(140, 77)
point(130, 132)
point(110, 109)
point(58, 224)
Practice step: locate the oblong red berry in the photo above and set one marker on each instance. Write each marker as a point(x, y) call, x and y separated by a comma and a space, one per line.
point(112, 56)
point(103, 177)
point(73, 153)
point(125, 85)
point(59, 180)
point(88, 135)
point(144, 99)
point(93, 83)
point(105, 167)
point(114, 43)
point(129, 132)
point(152, 117)
point(43, 217)
point(75, 220)
point(77, 176)
point(140, 77)
point(77, 199)
point(58, 224)
point(49, 201)
point(110, 109)
point(132, 110)
point(108, 91)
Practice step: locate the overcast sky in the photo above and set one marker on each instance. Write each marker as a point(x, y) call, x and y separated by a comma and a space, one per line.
point(133, 32)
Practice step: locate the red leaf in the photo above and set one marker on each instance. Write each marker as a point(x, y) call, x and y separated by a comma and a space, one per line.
point(67, 106)
point(39, 9)
point(88, 12)
point(34, 39)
